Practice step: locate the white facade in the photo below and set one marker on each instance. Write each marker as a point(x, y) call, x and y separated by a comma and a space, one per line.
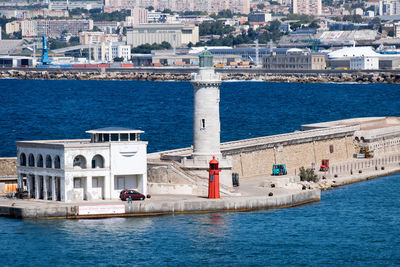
point(106, 52)
point(175, 34)
point(364, 63)
point(77, 170)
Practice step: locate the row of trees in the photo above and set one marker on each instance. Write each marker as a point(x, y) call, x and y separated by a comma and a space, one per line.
point(146, 48)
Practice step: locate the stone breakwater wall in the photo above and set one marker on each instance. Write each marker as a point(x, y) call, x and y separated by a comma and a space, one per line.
point(23, 209)
point(185, 75)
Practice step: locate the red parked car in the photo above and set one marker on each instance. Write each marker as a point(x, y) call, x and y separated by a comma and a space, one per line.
point(125, 194)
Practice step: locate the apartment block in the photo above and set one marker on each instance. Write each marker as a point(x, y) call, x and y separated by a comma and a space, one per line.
point(176, 34)
point(307, 7)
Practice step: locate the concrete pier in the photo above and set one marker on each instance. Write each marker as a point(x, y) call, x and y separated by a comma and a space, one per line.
point(160, 205)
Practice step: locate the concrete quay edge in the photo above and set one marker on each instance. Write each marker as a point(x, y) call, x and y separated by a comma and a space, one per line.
point(339, 182)
point(152, 208)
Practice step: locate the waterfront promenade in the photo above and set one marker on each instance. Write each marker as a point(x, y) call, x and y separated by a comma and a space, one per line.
point(253, 193)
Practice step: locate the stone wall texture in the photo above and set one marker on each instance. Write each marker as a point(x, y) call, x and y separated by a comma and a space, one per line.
point(259, 162)
point(8, 167)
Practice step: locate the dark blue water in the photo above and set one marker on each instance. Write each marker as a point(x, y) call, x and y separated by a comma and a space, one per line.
point(31, 110)
point(353, 225)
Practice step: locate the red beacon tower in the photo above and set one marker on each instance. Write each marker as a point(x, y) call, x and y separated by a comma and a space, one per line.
point(213, 182)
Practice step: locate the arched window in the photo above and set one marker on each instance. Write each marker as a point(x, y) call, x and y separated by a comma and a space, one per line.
point(22, 159)
point(79, 162)
point(97, 162)
point(39, 162)
point(31, 160)
point(48, 162)
point(57, 164)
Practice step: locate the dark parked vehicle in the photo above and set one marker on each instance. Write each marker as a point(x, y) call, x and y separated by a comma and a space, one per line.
point(125, 194)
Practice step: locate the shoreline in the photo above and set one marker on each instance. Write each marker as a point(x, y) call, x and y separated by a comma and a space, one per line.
point(170, 74)
point(183, 204)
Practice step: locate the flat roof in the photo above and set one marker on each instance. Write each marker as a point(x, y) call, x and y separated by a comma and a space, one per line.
point(114, 130)
point(366, 123)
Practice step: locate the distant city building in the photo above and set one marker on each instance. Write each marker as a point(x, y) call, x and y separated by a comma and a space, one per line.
point(107, 26)
point(176, 34)
point(86, 38)
point(259, 18)
point(397, 29)
point(138, 16)
point(209, 6)
point(307, 7)
point(364, 63)
point(294, 59)
point(106, 52)
point(54, 28)
point(87, 169)
point(69, 5)
point(389, 7)
point(13, 26)
point(28, 28)
point(47, 13)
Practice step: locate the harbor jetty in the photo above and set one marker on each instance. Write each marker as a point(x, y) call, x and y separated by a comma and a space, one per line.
point(184, 74)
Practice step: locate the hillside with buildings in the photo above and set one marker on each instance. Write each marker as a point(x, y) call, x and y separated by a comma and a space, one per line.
point(271, 35)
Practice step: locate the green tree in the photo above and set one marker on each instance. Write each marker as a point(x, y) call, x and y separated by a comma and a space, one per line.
point(216, 27)
point(96, 29)
point(74, 40)
point(118, 59)
point(260, 6)
point(307, 175)
point(147, 48)
point(150, 8)
point(314, 24)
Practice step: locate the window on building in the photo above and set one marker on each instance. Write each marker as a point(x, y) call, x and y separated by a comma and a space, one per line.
point(39, 161)
point(57, 163)
point(22, 159)
point(31, 160)
point(114, 137)
point(123, 137)
point(331, 148)
point(77, 182)
point(203, 124)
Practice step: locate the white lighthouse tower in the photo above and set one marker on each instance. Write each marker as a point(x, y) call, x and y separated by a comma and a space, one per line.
point(206, 125)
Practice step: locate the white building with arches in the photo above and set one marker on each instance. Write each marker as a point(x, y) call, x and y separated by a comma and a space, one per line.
point(84, 169)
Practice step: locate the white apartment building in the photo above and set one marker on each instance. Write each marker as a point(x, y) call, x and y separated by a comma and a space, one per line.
point(176, 34)
point(106, 52)
point(307, 7)
point(364, 63)
point(97, 38)
point(85, 169)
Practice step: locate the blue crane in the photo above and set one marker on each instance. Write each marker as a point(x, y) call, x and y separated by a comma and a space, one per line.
point(45, 57)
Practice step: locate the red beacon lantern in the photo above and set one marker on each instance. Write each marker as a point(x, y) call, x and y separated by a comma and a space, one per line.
point(213, 182)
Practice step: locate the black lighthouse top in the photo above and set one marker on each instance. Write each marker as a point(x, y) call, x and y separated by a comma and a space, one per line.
point(205, 59)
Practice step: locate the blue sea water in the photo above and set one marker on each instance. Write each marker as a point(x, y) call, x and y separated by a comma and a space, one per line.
point(357, 225)
point(354, 225)
point(35, 109)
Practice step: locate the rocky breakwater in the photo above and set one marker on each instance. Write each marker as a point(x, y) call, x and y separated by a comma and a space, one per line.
point(356, 77)
point(91, 75)
point(164, 75)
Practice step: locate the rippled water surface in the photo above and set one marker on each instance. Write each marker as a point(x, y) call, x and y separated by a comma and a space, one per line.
point(34, 110)
point(353, 225)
